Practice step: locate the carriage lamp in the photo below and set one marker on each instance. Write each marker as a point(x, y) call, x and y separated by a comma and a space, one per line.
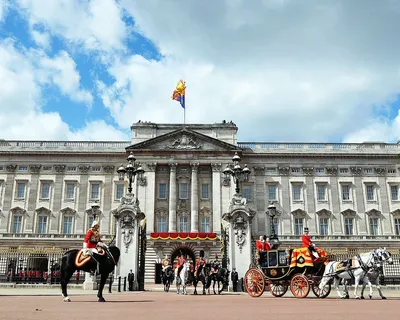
point(274, 237)
point(131, 170)
point(236, 171)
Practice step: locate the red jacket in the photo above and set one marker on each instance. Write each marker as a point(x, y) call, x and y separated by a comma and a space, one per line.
point(92, 238)
point(181, 262)
point(267, 246)
point(306, 241)
point(259, 245)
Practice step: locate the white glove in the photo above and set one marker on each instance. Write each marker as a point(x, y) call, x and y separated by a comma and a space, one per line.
point(102, 244)
point(84, 245)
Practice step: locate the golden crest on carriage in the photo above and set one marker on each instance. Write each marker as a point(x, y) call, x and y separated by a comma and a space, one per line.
point(273, 272)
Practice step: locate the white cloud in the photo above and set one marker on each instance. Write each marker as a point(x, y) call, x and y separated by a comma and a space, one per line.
point(21, 95)
point(97, 25)
point(98, 130)
point(61, 70)
point(42, 39)
point(3, 9)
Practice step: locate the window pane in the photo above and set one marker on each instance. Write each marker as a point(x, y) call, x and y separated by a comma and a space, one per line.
point(348, 226)
point(119, 191)
point(248, 193)
point(67, 225)
point(205, 224)
point(374, 226)
point(271, 192)
point(161, 224)
point(70, 190)
point(17, 224)
point(183, 191)
point(184, 224)
point(323, 226)
point(298, 226)
point(296, 193)
point(162, 191)
point(321, 193)
point(45, 191)
point(276, 225)
point(20, 190)
point(204, 191)
point(397, 226)
point(42, 224)
point(90, 221)
point(370, 193)
point(345, 193)
point(394, 190)
point(95, 191)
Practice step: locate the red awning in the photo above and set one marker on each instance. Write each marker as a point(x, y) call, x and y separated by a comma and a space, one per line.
point(183, 236)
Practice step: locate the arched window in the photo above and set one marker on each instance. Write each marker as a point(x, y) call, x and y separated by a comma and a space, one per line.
point(67, 221)
point(42, 220)
point(18, 217)
point(349, 222)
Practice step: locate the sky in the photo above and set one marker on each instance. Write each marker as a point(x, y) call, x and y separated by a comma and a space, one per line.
point(281, 70)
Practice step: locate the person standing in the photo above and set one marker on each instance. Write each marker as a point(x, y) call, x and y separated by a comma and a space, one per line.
point(235, 279)
point(131, 277)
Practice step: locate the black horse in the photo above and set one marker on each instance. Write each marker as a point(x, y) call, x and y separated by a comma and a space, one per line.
point(203, 276)
point(107, 263)
point(167, 278)
point(221, 276)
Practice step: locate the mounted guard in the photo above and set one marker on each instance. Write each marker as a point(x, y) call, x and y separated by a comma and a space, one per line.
point(93, 244)
point(166, 263)
point(181, 261)
point(200, 263)
point(215, 265)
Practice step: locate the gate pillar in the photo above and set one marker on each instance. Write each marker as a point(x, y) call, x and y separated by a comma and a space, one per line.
point(127, 235)
point(238, 227)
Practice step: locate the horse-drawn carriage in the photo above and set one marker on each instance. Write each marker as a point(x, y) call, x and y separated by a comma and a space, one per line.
point(281, 269)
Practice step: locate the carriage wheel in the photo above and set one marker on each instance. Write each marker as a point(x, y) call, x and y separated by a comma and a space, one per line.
point(254, 282)
point(299, 286)
point(277, 288)
point(326, 290)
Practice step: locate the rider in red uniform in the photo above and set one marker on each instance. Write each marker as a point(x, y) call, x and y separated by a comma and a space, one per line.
point(92, 241)
point(307, 243)
point(200, 262)
point(181, 261)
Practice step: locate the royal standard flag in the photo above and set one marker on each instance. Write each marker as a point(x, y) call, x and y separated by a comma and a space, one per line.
point(179, 93)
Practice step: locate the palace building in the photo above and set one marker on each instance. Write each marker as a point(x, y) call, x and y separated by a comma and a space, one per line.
point(346, 194)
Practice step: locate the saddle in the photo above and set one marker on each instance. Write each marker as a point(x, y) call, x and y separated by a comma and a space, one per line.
point(83, 256)
point(345, 265)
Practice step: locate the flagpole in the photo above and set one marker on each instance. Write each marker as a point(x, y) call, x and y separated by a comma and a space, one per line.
point(184, 110)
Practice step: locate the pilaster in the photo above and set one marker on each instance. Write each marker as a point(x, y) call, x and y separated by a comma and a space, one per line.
point(58, 187)
point(172, 198)
point(216, 197)
point(8, 195)
point(194, 215)
point(149, 190)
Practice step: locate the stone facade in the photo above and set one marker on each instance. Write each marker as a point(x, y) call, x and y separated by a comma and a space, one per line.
point(347, 194)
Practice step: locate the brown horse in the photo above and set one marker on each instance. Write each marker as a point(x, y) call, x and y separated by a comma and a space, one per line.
point(107, 263)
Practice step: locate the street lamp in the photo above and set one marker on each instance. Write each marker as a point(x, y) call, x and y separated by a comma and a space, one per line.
point(237, 172)
point(273, 237)
point(95, 207)
point(131, 170)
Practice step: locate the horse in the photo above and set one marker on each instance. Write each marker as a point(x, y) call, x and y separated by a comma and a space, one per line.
point(222, 275)
point(362, 263)
point(181, 280)
point(107, 263)
point(203, 275)
point(167, 277)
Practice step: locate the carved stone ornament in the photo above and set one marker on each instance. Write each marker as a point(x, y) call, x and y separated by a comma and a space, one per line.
point(259, 171)
point(380, 171)
point(84, 169)
point(109, 169)
point(356, 170)
point(237, 199)
point(184, 142)
point(308, 171)
point(151, 167)
point(142, 180)
point(11, 168)
point(59, 168)
point(284, 170)
point(34, 168)
point(240, 228)
point(216, 167)
point(130, 199)
point(226, 181)
point(194, 166)
point(333, 171)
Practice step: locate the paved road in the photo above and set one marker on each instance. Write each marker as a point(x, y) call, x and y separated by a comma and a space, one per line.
point(155, 305)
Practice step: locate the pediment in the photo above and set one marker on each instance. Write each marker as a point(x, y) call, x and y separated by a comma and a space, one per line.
point(183, 140)
point(298, 213)
point(396, 213)
point(373, 213)
point(68, 211)
point(18, 210)
point(42, 210)
point(323, 213)
point(348, 213)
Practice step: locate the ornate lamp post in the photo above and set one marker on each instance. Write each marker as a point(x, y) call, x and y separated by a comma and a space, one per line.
point(237, 172)
point(273, 237)
point(131, 170)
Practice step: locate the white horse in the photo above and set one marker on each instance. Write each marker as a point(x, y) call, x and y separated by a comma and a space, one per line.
point(182, 278)
point(362, 263)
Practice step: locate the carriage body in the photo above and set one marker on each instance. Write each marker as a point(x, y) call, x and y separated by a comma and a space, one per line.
point(280, 269)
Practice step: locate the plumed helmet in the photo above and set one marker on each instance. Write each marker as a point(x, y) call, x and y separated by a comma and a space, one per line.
point(202, 253)
point(305, 229)
point(95, 223)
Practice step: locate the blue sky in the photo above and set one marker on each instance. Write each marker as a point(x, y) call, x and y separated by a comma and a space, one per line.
point(87, 70)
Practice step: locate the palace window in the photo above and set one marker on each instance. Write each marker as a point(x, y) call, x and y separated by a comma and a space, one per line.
point(204, 191)
point(248, 193)
point(70, 191)
point(95, 191)
point(42, 224)
point(397, 226)
point(345, 192)
point(90, 221)
point(296, 192)
point(391, 171)
point(323, 226)
point(184, 224)
point(23, 169)
point(370, 192)
point(272, 192)
point(45, 191)
point(368, 171)
point(348, 226)
point(321, 192)
point(298, 226)
point(119, 191)
point(17, 224)
point(343, 170)
point(162, 191)
point(67, 224)
point(20, 190)
point(276, 225)
point(161, 224)
point(394, 192)
point(320, 170)
point(374, 226)
point(205, 224)
point(183, 191)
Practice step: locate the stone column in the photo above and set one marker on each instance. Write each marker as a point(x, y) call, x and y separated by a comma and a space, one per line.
point(384, 200)
point(108, 198)
point(8, 196)
point(194, 216)
point(172, 198)
point(216, 197)
point(362, 225)
point(148, 184)
point(58, 189)
point(34, 190)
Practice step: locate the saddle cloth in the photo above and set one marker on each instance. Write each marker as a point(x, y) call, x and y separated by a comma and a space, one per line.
point(82, 257)
point(343, 265)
